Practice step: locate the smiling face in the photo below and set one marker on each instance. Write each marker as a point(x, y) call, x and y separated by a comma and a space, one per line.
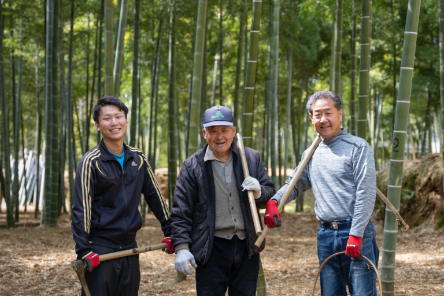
point(219, 139)
point(112, 124)
point(326, 118)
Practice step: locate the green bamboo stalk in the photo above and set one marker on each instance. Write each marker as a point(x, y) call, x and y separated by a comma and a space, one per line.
point(135, 80)
point(213, 93)
point(118, 62)
point(86, 125)
point(288, 127)
point(398, 147)
point(250, 79)
point(55, 160)
point(5, 130)
point(172, 161)
point(109, 64)
point(221, 54)
point(47, 202)
point(364, 70)
point(441, 62)
point(197, 77)
point(69, 122)
point(338, 48)
point(332, 54)
point(39, 133)
point(274, 89)
point(261, 289)
point(426, 124)
point(353, 73)
point(237, 88)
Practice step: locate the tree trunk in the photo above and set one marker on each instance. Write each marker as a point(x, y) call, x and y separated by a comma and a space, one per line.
point(426, 125)
point(237, 88)
point(118, 62)
point(353, 73)
point(289, 127)
point(197, 77)
point(441, 62)
point(109, 65)
point(69, 120)
point(172, 161)
point(213, 93)
point(39, 134)
point(338, 48)
point(398, 148)
point(15, 122)
point(5, 131)
point(135, 79)
point(364, 70)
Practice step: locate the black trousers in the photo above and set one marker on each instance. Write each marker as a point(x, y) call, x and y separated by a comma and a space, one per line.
point(228, 268)
point(116, 277)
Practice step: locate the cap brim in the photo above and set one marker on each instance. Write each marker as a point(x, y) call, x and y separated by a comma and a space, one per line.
point(214, 123)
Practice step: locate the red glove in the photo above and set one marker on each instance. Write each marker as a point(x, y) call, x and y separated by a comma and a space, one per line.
point(353, 244)
point(272, 218)
point(92, 259)
point(170, 248)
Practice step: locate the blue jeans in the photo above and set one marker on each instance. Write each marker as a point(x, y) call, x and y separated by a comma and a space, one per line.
point(342, 270)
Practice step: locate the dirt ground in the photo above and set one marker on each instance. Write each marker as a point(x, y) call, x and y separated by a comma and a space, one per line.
point(36, 261)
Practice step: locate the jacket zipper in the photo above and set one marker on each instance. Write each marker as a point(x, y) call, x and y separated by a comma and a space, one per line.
point(126, 207)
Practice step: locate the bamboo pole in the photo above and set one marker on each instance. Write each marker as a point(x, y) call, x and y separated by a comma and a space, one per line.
point(398, 147)
point(250, 80)
point(109, 55)
point(69, 119)
point(353, 73)
point(118, 62)
point(5, 130)
point(338, 47)
point(135, 79)
point(237, 88)
point(291, 185)
point(364, 71)
point(441, 62)
point(197, 77)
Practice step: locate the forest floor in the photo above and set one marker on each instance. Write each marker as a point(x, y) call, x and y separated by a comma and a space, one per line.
point(36, 260)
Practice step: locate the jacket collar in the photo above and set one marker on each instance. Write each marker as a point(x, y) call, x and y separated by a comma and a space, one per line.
point(106, 155)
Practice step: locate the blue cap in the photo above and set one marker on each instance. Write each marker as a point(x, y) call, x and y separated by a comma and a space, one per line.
point(218, 115)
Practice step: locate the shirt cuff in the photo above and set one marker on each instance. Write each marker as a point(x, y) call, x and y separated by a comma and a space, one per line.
point(183, 246)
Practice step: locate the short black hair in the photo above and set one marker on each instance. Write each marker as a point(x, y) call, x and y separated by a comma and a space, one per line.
point(108, 100)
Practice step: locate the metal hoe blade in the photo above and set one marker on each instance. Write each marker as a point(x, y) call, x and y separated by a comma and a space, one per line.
point(79, 268)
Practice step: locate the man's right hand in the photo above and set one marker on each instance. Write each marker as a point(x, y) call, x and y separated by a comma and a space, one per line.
point(183, 257)
point(92, 259)
point(272, 218)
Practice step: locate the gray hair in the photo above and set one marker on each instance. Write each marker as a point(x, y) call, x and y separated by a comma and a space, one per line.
point(322, 95)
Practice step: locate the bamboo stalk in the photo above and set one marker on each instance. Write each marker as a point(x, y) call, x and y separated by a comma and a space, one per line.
point(5, 130)
point(274, 89)
point(338, 48)
point(109, 55)
point(364, 71)
point(398, 147)
point(135, 79)
point(69, 120)
point(197, 77)
point(441, 62)
point(250, 80)
point(237, 88)
point(118, 62)
point(353, 73)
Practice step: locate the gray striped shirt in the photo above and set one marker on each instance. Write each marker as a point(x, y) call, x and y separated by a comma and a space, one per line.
point(342, 175)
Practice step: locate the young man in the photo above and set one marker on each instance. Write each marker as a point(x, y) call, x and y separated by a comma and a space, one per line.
point(211, 219)
point(110, 179)
point(342, 175)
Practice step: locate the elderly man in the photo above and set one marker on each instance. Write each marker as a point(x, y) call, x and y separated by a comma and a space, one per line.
point(211, 222)
point(342, 175)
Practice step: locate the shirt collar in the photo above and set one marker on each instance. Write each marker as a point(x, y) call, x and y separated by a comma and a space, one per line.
point(210, 156)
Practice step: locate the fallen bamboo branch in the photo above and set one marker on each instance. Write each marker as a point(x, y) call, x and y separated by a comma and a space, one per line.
point(391, 207)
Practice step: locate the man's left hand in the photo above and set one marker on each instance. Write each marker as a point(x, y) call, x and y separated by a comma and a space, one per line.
point(353, 244)
point(170, 248)
point(252, 184)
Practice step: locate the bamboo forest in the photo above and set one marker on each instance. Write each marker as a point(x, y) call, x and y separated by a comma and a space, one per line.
point(170, 61)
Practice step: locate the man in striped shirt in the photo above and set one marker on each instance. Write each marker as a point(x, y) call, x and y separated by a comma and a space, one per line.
point(110, 179)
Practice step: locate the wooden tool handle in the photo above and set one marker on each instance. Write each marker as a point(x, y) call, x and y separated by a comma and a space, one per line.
point(391, 207)
point(131, 252)
point(292, 183)
point(251, 200)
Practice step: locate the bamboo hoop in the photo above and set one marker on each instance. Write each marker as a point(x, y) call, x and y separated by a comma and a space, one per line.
point(340, 253)
point(251, 200)
point(290, 187)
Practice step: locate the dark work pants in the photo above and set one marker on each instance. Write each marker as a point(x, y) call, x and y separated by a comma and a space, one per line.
point(116, 277)
point(228, 267)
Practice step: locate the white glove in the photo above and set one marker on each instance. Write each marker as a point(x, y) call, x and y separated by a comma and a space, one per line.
point(252, 184)
point(183, 257)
